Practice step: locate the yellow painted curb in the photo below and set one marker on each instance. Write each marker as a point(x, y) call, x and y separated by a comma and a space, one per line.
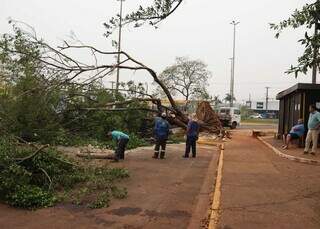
point(215, 214)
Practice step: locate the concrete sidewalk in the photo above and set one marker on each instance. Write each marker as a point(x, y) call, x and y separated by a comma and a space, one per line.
point(294, 151)
point(262, 190)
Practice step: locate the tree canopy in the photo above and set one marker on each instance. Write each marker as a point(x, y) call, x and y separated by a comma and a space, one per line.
point(153, 14)
point(187, 78)
point(308, 17)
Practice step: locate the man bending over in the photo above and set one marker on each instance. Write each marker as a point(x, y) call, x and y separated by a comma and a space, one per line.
point(296, 132)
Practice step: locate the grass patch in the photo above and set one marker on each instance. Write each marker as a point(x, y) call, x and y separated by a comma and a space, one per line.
point(260, 121)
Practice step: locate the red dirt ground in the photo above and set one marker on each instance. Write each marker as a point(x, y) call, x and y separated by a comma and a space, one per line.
point(262, 190)
point(172, 193)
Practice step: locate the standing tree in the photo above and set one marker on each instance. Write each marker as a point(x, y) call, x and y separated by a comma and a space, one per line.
point(308, 17)
point(203, 94)
point(186, 78)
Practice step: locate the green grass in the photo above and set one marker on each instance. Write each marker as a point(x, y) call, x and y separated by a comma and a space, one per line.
point(260, 121)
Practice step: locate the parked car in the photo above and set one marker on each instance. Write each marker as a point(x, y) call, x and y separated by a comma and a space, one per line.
point(256, 116)
point(230, 116)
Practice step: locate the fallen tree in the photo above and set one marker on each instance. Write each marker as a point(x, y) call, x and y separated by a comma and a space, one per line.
point(66, 70)
point(61, 69)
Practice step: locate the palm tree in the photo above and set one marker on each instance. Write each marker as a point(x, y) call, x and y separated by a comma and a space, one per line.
point(216, 100)
point(229, 99)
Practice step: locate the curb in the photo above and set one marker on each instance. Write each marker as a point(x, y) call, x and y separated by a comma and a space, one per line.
point(215, 207)
point(290, 157)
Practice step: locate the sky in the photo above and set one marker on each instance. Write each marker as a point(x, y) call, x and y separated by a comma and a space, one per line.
point(199, 29)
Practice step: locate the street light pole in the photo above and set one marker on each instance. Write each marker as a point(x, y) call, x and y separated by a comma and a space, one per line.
point(231, 83)
point(119, 45)
point(267, 99)
point(234, 23)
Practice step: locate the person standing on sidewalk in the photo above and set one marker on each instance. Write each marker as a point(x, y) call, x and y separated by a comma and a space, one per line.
point(192, 137)
point(122, 140)
point(161, 133)
point(313, 130)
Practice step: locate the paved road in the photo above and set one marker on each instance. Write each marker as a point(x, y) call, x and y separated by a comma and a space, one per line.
point(262, 190)
point(172, 193)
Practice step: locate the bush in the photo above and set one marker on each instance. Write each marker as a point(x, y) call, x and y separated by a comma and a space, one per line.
point(33, 180)
point(136, 142)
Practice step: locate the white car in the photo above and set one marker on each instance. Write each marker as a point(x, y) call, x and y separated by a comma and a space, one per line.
point(256, 116)
point(230, 116)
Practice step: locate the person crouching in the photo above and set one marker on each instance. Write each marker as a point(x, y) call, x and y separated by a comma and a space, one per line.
point(161, 133)
point(122, 140)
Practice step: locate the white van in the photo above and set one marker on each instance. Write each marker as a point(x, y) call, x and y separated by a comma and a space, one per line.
point(230, 116)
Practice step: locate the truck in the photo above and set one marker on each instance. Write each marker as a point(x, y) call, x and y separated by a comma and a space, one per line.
point(230, 116)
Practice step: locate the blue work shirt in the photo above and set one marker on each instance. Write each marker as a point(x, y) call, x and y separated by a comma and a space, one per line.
point(117, 135)
point(193, 129)
point(161, 128)
point(298, 130)
point(314, 120)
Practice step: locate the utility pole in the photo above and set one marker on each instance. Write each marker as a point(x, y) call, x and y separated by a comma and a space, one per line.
point(267, 98)
point(315, 55)
point(119, 45)
point(234, 23)
point(231, 82)
point(112, 83)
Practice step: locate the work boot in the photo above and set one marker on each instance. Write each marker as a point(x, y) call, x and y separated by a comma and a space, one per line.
point(162, 154)
point(155, 155)
point(185, 155)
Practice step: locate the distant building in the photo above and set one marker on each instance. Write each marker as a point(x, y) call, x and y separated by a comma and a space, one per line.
point(260, 107)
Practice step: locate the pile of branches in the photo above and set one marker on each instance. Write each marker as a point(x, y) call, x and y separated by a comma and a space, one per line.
point(33, 177)
point(208, 118)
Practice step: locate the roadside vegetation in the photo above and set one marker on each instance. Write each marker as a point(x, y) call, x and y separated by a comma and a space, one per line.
point(42, 178)
point(48, 97)
point(38, 109)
